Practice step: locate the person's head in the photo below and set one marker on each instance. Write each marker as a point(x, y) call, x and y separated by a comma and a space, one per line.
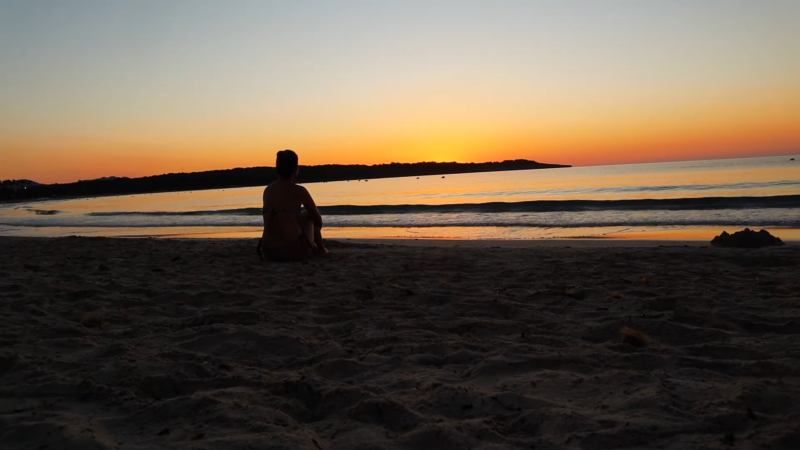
point(287, 164)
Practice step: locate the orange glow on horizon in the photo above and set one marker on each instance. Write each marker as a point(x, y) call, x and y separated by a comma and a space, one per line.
point(69, 164)
point(749, 126)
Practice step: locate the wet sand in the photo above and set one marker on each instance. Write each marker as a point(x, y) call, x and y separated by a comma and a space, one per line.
point(195, 344)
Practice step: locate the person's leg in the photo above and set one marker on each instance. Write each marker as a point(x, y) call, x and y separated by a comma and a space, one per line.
point(318, 242)
point(309, 230)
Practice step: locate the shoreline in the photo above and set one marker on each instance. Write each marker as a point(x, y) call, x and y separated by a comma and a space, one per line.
point(606, 242)
point(540, 243)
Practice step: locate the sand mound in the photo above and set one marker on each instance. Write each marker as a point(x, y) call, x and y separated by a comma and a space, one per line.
point(746, 238)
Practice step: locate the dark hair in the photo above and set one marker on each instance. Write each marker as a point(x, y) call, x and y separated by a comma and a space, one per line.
point(286, 163)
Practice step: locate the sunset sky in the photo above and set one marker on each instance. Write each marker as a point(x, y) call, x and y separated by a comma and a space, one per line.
point(132, 88)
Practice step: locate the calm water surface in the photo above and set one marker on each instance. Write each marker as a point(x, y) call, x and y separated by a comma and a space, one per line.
point(693, 199)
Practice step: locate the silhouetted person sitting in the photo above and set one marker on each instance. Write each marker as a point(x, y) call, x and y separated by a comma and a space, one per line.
point(290, 234)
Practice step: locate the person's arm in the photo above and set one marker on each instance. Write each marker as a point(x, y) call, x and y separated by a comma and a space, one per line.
point(265, 212)
point(311, 207)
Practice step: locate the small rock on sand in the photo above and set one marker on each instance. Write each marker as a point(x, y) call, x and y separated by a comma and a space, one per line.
point(746, 238)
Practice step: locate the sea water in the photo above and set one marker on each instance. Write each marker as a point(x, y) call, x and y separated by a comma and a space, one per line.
point(686, 200)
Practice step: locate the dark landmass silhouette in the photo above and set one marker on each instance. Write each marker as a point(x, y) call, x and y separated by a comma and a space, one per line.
point(246, 177)
point(7, 186)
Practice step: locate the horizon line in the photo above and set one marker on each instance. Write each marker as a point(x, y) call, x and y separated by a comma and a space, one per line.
point(788, 152)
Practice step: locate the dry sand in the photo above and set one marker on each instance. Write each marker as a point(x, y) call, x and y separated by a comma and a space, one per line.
point(134, 344)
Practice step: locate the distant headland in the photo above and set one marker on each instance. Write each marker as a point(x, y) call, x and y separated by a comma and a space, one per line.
point(247, 177)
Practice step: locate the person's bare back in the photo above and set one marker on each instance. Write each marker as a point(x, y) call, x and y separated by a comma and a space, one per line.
point(290, 234)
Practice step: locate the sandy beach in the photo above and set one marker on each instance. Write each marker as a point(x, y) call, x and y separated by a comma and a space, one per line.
point(195, 344)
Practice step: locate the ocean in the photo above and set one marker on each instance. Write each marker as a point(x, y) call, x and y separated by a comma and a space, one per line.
point(676, 200)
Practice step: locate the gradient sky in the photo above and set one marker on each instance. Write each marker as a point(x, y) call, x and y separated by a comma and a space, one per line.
point(131, 88)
